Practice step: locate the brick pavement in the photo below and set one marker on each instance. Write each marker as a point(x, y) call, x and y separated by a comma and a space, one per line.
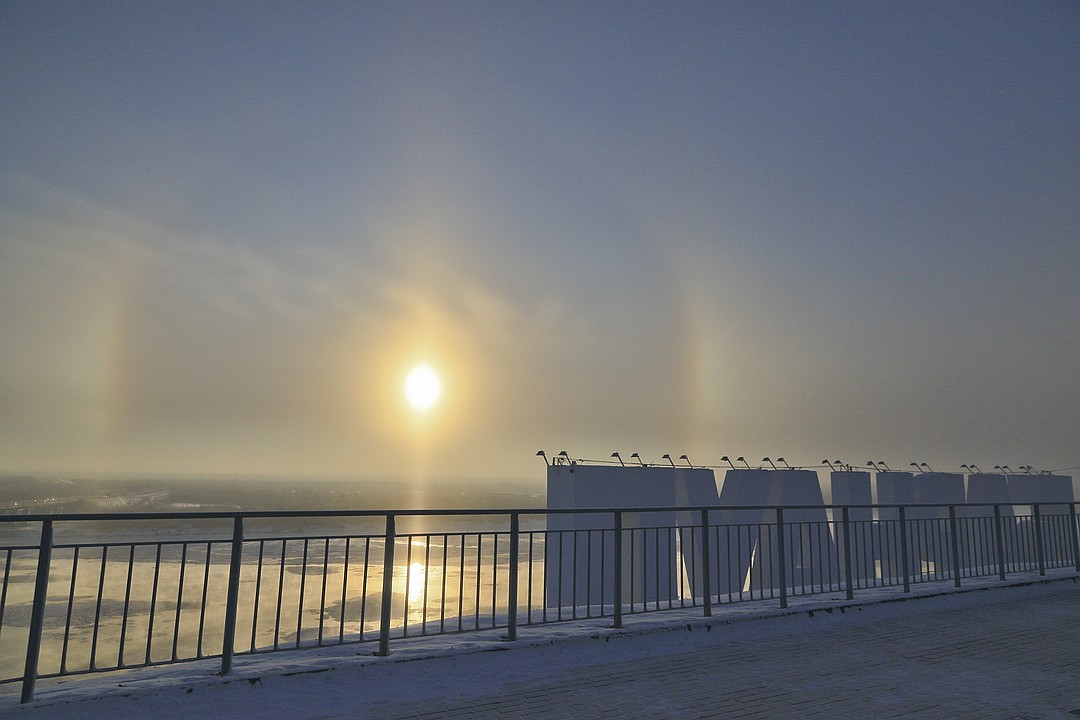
point(1005, 657)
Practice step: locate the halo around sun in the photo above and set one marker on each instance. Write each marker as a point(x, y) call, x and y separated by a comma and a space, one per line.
point(422, 388)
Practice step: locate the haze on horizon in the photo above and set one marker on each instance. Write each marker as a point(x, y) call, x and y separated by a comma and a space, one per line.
point(842, 229)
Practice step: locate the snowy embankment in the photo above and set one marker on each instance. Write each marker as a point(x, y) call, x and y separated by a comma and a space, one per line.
point(350, 682)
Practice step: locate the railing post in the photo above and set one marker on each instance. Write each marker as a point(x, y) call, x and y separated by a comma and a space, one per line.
point(848, 581)
point(999, 539)
point(228, 639)
point(1075, 535)
point(955, 543)
point(1040, 552)
point(781, 556)
point(617, 590)
point(37, 612)
point(387, 585)
point(706, 573)
point(512, 600)
point(905, 560)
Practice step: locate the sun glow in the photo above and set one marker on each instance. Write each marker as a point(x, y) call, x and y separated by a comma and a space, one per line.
point(422, 388)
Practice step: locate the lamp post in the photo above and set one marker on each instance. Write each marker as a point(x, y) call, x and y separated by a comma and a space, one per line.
point(765, 459)
point(728, 461)
point(640, 461)
point(667, 456)
point(618, 457)
point(689, 464)
point(541, 453)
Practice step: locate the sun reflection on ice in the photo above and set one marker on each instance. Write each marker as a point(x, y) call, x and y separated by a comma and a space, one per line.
point(417, 581)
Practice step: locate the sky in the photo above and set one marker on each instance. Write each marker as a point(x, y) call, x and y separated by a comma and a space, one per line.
point(827, 229)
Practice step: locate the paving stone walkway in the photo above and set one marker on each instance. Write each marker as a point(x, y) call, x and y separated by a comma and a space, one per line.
point(1004, 658)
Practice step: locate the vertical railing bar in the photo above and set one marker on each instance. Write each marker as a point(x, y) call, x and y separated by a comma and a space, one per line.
point(388, 584)
point(512, 589)
point(588, 574)
point(656, 564)
point(97, 609)
point(603, 569)
point(529, 582)
point(670, 534)
point(344, 590)
point(954, 532)
point(127, 604)
point(363, 586)
point(494, 574)
point(781, 559)
point(445, 573)
point(179, 599)
point(280, 595)
point(1040, 551)
point(849, 580)
point(153, 604)
point(461, 586)
point(1075, 522)
point(706, 570)
point(479, 579)
point(4, 591)
point(617, 568)
point(408, 581)
point(70, 608)
point(905, 562)
point(574, 581)
point(303, 588)
point(258, 594)
point(37, 612)
point(322, 593)
point(547, 569)
point(427, 578)
point(205, 589)
point(632, 566)
point(232, 597)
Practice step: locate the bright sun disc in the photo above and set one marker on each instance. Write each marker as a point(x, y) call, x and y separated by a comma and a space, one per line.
point(422, 387)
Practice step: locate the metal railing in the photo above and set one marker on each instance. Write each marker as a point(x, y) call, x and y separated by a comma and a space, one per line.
point(100, 592)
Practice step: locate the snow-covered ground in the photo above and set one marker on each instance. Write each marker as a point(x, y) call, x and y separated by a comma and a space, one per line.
point(350, 682)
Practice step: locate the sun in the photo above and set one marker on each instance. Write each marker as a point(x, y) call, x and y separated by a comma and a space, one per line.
point(422, 388)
